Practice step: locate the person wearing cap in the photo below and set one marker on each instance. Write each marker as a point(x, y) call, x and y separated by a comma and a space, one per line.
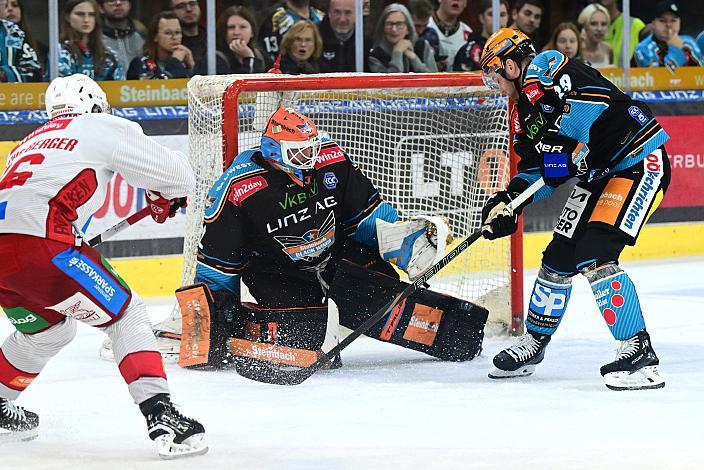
point(568, 122)
point(665, 46)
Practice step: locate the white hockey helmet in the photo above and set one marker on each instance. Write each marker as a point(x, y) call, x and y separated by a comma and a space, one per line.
point(75, 94)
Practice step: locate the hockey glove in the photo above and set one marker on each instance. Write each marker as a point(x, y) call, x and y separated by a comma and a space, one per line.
point(563, 158)
point(499, 220)
point(162, 208)
point(413, 246)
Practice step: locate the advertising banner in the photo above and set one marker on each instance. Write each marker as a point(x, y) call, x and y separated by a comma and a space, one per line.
point(686, 151)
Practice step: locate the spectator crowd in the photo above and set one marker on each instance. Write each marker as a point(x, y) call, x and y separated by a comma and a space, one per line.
point(102, 39)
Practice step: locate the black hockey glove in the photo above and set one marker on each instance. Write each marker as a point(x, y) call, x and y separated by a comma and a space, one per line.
point(563, 158)
point(498, 220)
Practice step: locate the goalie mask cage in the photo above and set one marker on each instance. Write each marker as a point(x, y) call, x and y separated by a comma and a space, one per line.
point(431, 143)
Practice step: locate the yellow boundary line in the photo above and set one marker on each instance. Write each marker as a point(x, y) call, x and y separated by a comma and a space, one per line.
point(160, 276)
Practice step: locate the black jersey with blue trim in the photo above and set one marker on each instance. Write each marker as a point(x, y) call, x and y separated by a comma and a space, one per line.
point(574, 100)
point(258, 218)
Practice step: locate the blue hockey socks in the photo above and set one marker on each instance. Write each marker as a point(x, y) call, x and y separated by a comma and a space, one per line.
point(617, 300)
point(551, 293)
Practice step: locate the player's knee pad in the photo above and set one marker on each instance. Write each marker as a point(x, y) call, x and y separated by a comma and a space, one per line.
point(436, 324)
point(616, 298)
point(548, 302)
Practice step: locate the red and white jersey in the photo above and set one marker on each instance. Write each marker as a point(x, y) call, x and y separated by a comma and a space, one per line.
point(57, 177)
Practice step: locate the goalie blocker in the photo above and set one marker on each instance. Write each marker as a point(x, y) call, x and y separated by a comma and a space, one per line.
point(218, 331)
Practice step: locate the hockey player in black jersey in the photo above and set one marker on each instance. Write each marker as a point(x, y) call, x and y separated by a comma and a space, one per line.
point(305, 230)
point(569, 121)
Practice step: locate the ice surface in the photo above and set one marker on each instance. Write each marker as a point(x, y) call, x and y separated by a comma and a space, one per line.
point(393, 408)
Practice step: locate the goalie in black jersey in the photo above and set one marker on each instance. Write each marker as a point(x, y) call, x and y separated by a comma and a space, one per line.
point(570, 121)
point(310, 236)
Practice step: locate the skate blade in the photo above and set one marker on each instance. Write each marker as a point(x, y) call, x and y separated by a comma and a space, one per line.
point(647, 378)
point(524, 371)
point(17, 436)
point(191, 447)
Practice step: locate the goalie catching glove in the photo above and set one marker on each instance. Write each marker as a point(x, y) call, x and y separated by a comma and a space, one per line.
point(162, 208)
point(413, 246)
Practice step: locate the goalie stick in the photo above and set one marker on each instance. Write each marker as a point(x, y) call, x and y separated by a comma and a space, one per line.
point(264, 372)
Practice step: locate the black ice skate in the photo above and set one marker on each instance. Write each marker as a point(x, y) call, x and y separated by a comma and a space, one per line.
point(16, 423)
point(175, 435)
point(520, 359)
point(635, 367)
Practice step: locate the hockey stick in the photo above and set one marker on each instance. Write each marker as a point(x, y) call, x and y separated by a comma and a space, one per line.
point(267, 373)
point(123, 224)
point(119, 227)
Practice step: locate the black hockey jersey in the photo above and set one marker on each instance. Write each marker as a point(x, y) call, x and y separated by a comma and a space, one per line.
point(574, 100)
point(259, 219)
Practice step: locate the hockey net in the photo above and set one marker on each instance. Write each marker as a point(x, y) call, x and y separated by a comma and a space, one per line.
point(431, 143)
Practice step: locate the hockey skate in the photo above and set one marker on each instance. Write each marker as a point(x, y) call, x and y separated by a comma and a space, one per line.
point(16, 423)
point(635, 366)
point(175, 435)
point(520, 359)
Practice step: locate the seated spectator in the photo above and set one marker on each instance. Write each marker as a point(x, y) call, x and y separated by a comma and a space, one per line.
point(121, 33)
point(452, 32)
point(301, 48)
point(82, 48)
point(338, 33)
point(665, 46)
point(15, 13)
point(164, 55)
point(469, 55)
point(194, 35)
point(397, 49)
point(566, 39)
point(236, 43)
point(615, 35)
point(421, 11)
point(278, 22)
point(526, 17)
point(594, 20)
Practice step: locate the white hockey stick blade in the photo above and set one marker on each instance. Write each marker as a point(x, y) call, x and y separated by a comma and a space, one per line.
point(7, 436)
point(524, 371)
point(191, 447)
point(643, 379)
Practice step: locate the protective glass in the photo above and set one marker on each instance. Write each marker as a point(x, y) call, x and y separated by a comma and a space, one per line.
point(302, 155)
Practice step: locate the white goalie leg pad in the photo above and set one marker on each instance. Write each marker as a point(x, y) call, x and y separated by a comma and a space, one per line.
point(169, 450)
point(643, 379)
point(413, 246)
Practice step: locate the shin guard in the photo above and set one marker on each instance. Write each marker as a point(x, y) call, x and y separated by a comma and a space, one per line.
point(617, 300)
point(551, 293)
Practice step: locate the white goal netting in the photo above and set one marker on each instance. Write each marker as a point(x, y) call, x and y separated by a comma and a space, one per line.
point(430, 146)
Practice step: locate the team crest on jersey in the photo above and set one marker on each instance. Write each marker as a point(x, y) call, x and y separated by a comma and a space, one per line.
point(330, 180)
point(310, 245)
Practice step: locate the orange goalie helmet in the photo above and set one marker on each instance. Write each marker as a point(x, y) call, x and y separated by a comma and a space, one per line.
point(505, 43)
point(291, 139)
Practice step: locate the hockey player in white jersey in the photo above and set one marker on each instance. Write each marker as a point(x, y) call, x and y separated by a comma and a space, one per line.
point(56, 178)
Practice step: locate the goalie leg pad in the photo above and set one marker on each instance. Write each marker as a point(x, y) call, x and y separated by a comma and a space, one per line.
point(208, 321)
point(438, 325)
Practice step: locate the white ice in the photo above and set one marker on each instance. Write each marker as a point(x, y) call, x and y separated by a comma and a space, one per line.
point(393, 408)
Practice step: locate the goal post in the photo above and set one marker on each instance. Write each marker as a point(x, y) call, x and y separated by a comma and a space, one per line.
point(431, 143)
